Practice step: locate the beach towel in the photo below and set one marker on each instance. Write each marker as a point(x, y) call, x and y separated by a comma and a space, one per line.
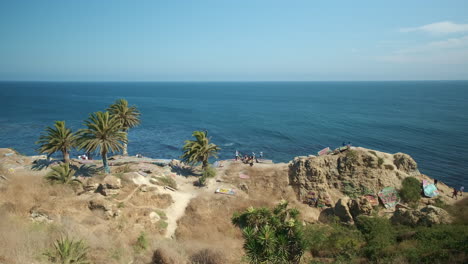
point(389, 197)
point(430, 190)
point(324, 151)
point(243, 175)
point(225, 191)
point(372, 199)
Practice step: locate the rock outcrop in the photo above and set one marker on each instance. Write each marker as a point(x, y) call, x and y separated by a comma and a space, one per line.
point(427, 216)
point(111, 185)
point(353, 172)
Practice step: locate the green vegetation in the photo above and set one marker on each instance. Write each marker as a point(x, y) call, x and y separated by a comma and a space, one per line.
point(128, 116)
point(353, 191)
point(161, 214)
point(208, 172)
point(271, 236)
point(351, 157)
point(141, 243)
point(411, 190)
point(162, 224)
point(378, 233)
point(57, 138)
point(380, 162)
point(103, 134)
point(68, 251)
point(334, 241)
point(167, 181)
point(199, 150)
point(62, 174)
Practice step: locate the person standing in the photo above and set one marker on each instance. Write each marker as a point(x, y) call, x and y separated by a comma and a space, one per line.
point(261, 154)
point(237, 154)
point(455, 193)
point(462, 189)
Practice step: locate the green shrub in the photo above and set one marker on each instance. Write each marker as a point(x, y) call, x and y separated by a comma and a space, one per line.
point(141, 243)
point(162, 224)
point(351, 157)
point(209, 172)
point(167, 181)
point(380, 162)
point(379, 235)
point(333, 240)
point(67, 250)
point(411, 190)
point(271, 235)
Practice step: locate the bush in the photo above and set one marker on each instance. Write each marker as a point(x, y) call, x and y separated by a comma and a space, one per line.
point(207, 256)
point(167, 181)
point(271, 235)
point(333, 240)
point(380, 162)
point(351, 156)
point(379, 235)
point(209, 172)
point(411, 190)
point(67, 250)
point(141, 243)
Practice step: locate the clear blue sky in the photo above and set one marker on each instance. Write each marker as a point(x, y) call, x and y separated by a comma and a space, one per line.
point(230, 40)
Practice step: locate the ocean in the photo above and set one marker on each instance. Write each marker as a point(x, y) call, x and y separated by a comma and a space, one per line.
point(425, 119)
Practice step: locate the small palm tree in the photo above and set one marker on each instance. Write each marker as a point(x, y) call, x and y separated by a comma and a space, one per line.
point(68, 251)
point(129, 117)
point(57, 138)
point(199, 150)
point(62, 174)
point(103, 134)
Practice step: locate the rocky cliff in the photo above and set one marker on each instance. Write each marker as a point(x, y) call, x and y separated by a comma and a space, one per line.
point(352, 172)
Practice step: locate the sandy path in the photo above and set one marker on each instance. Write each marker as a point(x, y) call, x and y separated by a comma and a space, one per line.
point(186, 192)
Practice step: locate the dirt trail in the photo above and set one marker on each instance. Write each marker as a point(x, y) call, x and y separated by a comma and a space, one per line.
point(186, 192)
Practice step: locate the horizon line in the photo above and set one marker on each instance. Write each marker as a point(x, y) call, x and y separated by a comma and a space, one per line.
point(226, 81)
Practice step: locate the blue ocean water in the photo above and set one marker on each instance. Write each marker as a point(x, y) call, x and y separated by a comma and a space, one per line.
point(428, 120)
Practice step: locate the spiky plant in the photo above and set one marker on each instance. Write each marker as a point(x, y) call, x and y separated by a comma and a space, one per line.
point(103, 134)
point(62, 174)
point(68, 251)
point(57, 138)
point(271, 236)
point(129, 117)
point(199, 150)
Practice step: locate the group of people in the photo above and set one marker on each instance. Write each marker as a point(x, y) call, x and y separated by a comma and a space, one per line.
point(246, 159)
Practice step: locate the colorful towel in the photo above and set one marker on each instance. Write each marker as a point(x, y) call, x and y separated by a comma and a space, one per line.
point(225, 191)
point(373, 200)
point(389, 197)
point(430, 190)
point(324, 151)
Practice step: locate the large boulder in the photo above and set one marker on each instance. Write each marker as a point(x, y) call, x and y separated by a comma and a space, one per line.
point(353, 172)
point(426, 216)
point(360, 206)
point(103, 208)
point(111, 185)
point(342, 210)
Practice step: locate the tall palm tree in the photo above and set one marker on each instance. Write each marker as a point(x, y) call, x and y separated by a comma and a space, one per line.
point(199, 150)
point(129, 117)
point(57, 138)
point(103, 134)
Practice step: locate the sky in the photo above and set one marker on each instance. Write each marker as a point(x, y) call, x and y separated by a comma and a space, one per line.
point(226, 40)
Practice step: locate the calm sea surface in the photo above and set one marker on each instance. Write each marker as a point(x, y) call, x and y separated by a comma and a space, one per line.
point(428, 120)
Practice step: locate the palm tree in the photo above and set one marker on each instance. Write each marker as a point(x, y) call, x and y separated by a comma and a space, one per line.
point(128, 116)
point(62, 174)
point(103, 134)
point(57, 138)
point(199, 150)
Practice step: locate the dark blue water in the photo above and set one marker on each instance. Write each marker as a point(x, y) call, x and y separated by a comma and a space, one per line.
point(428, 120)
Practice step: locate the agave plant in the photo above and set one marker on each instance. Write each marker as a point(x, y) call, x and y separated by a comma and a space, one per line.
point(271, 236)
point(128, 116)
point(57, 138)
point(103, 134)
point(199, 150)
point(62, 174)
point(68, 251)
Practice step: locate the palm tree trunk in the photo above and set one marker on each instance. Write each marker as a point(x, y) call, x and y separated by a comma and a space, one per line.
point(104, 162)
point(125, 153)
point(66, 157)
point(205, 164)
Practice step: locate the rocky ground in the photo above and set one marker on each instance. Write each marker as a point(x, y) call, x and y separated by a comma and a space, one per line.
point(178, 219)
